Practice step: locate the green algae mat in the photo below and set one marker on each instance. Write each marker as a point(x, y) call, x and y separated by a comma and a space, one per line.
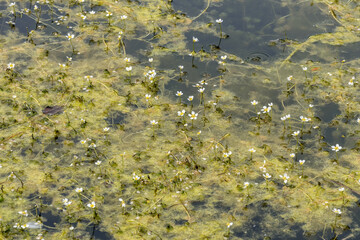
point(160, 119)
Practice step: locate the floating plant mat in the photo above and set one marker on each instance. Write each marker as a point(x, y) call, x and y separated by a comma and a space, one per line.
point(179, 120)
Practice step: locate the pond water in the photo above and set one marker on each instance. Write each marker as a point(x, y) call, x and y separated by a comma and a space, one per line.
point(155, 119)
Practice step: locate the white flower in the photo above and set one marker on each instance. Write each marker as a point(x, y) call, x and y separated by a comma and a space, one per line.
point(91, 205)
point(266, 109)
point(337, 211)
point(106, 129)
point(24, 226)
point(24, 213)
point(267, 176)
point(301, 162)
point(179, 93)
point(304, 68)
point(128, 69)
point(224, 57)
point(78, 190)
point(147, 97)
point(358, 120)
point(219, 20)
point(10, 65)
point(254, 102)
point(123, 17)
point(66, 202)
point(336, 148)
point(201, 90)
point(122, 202)
point(151, 60)
point(98, 162)
point(88, 77)
point(70, 36)
point(289, 78)
point(352, 81)
point(305, 119)
point(153, 122)
point(229, 224)
point(195, 39)
point(92, 145)
point(190, 98)
point(285, 177)
point(181, 113)
point(296, 133)
point(292, 155)
point(246, 184)
point(193, 115)
point(108, 14)
point(136, 177)
point(127, 59)
point(181, 67)
point(252, 150)
point(12, 175)
point(227, 154)
point(341, 189)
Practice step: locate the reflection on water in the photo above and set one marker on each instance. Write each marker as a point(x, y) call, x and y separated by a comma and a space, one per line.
point(179, 119)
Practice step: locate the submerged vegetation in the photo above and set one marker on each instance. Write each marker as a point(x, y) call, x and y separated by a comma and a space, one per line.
point(131, 120)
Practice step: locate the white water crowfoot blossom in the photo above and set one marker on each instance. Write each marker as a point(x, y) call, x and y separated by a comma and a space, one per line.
point(11, 66)
point(179, 94)
point(251, 150)
point(227, 154)
point(201, 91)
point(24, 213)
point(266, 109)
point(336, 149)
point(194, 40)
point(91, 205)
point(284, 118)
point(181, 67)
point(301, 162)
point(153, 124)
point(267, 177)
point(69, 37)
point(193, 116)
point(338, 213)
point(284, 177)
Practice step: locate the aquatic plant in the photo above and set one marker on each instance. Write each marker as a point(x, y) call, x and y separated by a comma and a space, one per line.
point(99, 141)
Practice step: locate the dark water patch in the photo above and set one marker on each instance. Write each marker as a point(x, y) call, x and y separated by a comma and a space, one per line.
point(51, 219)
point(116, 118)
point(52, 110)
point(97, 233)
point(328, 112)
point(258, 57)
point(221, 206)
point(180, 221)
point(198, 204)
